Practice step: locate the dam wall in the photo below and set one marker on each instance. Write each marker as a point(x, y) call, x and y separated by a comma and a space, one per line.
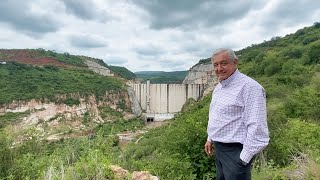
point(165, 98)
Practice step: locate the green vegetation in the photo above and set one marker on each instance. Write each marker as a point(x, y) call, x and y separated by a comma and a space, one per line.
point(120, 125)
point(71, 101)
point(25, 82)
point(35, 54)
point(62, 57)
point(175, 151)
point(120, 71)
point(85, 157)
point(162, 77)
point(203, 61)
point(289, 70)
point(80, 158)
point(107, 113)
point(123, 72)
point(68, 59)
point(11, 118)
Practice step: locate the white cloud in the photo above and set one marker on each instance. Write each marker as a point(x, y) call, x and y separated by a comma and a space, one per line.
point(149, 35)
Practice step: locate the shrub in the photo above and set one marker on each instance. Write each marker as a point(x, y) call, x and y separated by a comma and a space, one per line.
point(297, 136)
point(6, 155)
point(314, 54)
point(71, 101)
point(304, 104)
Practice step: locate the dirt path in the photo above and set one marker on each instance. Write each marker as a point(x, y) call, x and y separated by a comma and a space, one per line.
point(129, 136)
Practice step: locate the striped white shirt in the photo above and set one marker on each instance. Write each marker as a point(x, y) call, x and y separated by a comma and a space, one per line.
point(238, 114)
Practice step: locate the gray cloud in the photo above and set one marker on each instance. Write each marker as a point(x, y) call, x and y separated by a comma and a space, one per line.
point(288, 13)
point(189, 14)
point(17, 14)
point(85, 9)
point(172, 63)
point(197, 49)
point(149, 50)
point(113, 60)
point(87, 41)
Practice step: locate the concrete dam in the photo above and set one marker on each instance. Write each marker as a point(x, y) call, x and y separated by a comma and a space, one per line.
point(162, 101)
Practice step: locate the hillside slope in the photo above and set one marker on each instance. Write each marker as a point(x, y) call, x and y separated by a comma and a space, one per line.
point(51, 92)
point(49, 101)
point(26, 82)
point(43, 57)
point(289, 69)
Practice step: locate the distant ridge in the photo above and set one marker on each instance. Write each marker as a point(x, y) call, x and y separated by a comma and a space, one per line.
point(174, 77)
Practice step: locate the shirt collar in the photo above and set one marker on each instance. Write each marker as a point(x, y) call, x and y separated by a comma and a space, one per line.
point(233, 76)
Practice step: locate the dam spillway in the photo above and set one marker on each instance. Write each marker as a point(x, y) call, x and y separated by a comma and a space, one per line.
point(165, 98)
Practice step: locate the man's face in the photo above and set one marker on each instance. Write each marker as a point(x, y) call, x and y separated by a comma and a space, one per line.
point(223, 66)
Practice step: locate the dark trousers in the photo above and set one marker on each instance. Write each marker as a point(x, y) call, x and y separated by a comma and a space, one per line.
point(228, 163)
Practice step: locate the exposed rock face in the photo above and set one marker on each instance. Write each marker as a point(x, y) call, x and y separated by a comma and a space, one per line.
point(202, 74)
point(49, 111)
point(98, 68)
point(121, 173)
point(143, 175)
point(135, 105)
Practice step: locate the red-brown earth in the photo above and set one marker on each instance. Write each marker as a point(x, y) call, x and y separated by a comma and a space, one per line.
point(29, 57)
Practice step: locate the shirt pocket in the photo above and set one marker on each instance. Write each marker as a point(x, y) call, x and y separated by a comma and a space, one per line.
point(229, 110)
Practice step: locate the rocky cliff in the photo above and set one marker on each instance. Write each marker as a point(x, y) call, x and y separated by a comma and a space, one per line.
point(199, 74)
point(135, 105)
point(54, 119)
point(202, 74)
point(97, 68)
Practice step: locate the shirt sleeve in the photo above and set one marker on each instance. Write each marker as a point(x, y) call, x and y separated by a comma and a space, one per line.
point(255, 117)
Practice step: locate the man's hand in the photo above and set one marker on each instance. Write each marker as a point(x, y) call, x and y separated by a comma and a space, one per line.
point(208, 148)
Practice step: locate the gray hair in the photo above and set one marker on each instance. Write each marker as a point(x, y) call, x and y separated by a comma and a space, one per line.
point(230, 53)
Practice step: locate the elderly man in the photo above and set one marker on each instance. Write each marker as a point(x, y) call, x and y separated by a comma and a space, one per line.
point(237, 126)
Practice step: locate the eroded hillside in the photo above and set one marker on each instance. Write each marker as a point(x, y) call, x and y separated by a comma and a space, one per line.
point(59, 98)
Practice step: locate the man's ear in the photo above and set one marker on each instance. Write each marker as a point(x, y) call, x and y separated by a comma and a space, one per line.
point(235, 61)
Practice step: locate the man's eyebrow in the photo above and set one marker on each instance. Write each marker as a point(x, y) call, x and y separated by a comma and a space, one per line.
point(222, 61)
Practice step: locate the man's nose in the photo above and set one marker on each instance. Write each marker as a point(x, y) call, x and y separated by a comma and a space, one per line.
point(219, 68)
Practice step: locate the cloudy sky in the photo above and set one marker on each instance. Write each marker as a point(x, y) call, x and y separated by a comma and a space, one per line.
point(167, 35)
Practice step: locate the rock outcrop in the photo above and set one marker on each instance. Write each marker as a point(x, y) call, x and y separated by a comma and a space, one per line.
point(95, 67)
point(45, 109)
point(121, 173)
point(135, 105)
point(51, 117)
point(202, 74)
